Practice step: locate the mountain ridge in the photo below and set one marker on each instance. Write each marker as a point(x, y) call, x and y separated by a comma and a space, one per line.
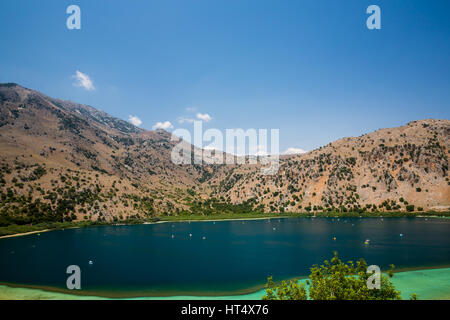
point(66, 161)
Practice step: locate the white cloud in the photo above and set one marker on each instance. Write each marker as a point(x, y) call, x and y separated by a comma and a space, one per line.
point(163, 125)
point(204, 116)
point(83, 80)
point(191, 109)
point(294, 151)
point(135, 120)
point(200, 116)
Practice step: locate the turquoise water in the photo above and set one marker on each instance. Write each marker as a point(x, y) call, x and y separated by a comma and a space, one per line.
point(220, 258)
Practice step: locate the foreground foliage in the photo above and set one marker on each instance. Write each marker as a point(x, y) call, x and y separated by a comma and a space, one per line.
point(334, 280)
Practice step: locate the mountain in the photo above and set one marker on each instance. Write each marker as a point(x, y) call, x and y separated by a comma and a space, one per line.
point(385, 170)
point(66, 161)
point(84, 162)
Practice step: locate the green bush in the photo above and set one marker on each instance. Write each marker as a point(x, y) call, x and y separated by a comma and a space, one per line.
point(335, 280)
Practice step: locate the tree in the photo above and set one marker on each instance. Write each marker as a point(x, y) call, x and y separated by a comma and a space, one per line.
point(291, 290)
point(335, 280)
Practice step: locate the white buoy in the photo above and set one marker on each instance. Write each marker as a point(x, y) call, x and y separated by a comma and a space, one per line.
point(173, 236)
point(204, 238)
point(91, 262)
point(190, 235)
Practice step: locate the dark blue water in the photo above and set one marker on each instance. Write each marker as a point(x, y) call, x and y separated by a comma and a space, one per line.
point(234, 256)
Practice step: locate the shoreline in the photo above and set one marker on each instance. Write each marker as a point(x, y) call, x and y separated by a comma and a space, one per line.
point(26, 233)
point(428, 282)
point(130, 224)
point(218, 218)
point(231, 219)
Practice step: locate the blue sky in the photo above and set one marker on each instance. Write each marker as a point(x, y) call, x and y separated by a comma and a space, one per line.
point(310, 68)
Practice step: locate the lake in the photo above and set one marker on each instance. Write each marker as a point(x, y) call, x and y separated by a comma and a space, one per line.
point(215, 258)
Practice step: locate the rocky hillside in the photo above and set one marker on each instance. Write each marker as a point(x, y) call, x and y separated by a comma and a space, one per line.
point(386, 170)
point(65, 161)
point(71, 161)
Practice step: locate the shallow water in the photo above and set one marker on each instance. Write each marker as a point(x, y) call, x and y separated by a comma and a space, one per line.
point(220, 258)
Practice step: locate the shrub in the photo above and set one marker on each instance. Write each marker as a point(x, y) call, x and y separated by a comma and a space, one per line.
point(335, 280)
